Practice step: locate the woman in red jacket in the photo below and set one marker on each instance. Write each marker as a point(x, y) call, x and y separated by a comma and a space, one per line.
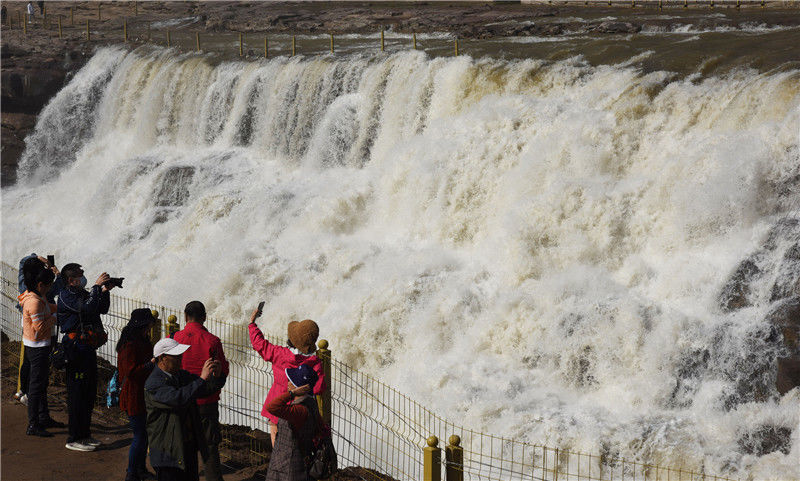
point(134, 354)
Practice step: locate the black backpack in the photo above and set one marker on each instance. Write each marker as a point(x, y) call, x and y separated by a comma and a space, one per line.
point(321, 462)
point(320, 456)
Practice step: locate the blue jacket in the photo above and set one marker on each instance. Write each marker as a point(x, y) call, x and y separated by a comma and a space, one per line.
point(173, 422)
point(78, 306)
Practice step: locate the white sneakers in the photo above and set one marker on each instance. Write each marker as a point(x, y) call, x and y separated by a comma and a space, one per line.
point(77, 446)
point(85, 445)
point(91, 442)
point(21, 397)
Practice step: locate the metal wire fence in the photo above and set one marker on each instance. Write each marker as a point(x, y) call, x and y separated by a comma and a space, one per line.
point(374, 425)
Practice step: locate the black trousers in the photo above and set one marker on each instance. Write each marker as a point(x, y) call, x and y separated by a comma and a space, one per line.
point(209, 419)
point(39, 360)
point(81, 392)
point(175, 474)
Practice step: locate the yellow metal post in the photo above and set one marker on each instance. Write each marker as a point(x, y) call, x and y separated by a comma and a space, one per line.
point(172, 325)
point(432, 460)
point(685, 3)
point(241, 45)
point(324, 398)
point(331, 42)
point(266, 48)
point(414, 36)
point(294, 44)
point(197, 40)
point(382, 40)
point(456, 45)
point(155, 328)
point(60, 32)
point(88, 37)
point(169, 38)
point(125, 30)
point(25, 27)
point(454, 459)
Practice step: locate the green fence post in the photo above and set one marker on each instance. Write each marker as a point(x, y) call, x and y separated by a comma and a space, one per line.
point(432, 460)
point(454, 459)
point(324, 398)
point(155, 328)
point(172, 325)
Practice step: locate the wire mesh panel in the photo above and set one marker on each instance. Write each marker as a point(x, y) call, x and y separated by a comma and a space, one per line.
point(374, 425)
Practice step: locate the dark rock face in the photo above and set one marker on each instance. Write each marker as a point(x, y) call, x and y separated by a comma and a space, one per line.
point(617, 27)
point(780, 256)
point(767, 439)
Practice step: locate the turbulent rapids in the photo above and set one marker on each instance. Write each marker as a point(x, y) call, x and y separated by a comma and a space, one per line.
point(581, 255)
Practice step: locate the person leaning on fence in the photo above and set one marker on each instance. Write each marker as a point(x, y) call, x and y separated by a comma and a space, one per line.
point(299, 422)
point(174, 431)
point(204, 345)
point(38, 319)
point(31, 264)
point(302, 346)
point(79, 318)
point(30, 11)
point(134, 363)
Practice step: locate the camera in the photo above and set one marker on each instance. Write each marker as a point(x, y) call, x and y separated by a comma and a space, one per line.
point(114, 282)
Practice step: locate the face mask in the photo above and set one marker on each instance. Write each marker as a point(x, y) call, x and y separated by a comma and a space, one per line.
point(83, 282)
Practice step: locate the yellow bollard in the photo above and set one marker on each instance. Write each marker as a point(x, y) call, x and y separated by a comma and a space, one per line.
point(738, 4)
point(155, 328)
point(324, 398)
point(456, 45)
point(88, 37)
point(169, 38)
point(197, 40)
point(172, 325)
point(25, 27)
point(454, 459)
point(266, 48)
point(98, 10)
point(125, 30)
point(685, 3)
point(331, 43)
point(414, 36)
point(432, 460)
point(241, 45)
point(381, 40)
point(294, 44)
point(60, 33)
point(660, 7)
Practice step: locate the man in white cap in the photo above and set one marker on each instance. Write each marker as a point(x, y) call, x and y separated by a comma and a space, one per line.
point(174, 431)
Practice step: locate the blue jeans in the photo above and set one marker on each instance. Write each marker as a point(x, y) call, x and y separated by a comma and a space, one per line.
point(137, 455)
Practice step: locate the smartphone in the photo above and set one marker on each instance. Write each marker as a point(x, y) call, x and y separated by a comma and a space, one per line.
point(260, 308)
point(51, 260)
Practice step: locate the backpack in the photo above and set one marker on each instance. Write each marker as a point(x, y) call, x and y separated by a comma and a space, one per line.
point(320, 458)
point(114, 388)
point(321, 462)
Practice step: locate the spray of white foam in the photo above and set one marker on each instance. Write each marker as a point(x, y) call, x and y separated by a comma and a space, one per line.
point(533, 248)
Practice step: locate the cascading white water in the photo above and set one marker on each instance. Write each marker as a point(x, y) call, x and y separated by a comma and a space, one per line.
point(535, 248)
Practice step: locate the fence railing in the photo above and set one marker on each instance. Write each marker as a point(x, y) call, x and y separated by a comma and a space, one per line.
point(375, 426)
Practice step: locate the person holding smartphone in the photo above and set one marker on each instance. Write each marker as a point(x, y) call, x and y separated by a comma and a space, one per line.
point(204, 345)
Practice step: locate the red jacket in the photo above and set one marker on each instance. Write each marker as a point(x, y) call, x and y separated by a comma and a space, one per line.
point(204, 345)
point(133, 363)
point(282, 358)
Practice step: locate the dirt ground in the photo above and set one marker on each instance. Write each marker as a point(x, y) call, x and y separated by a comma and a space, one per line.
point(18, 451)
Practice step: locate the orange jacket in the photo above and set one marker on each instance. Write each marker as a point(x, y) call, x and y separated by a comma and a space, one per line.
point(38, 319)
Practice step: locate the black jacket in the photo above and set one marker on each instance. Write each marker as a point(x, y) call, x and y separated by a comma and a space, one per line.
point(78, 306)
point(173, 423)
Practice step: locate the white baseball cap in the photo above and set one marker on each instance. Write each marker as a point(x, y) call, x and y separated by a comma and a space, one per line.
point(169, 346)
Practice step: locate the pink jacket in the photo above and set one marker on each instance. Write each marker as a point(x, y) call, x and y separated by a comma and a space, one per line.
point(282, 358)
